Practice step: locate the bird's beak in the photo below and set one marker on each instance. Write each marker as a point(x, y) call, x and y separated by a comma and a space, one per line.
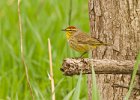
point(63, 30)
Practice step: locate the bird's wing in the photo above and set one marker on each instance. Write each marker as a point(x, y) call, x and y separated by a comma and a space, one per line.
point(82, 36)
point(86, 39)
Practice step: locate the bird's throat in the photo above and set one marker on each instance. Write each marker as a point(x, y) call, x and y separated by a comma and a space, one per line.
point(68, 35)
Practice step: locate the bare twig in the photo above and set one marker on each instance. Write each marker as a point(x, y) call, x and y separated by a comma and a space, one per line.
point(22, 52)
point(101, 66)
point(51, 70)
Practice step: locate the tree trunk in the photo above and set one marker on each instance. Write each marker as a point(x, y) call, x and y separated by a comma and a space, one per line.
point(116, 22)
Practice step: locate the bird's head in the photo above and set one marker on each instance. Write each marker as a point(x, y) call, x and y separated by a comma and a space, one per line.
point(70, 31)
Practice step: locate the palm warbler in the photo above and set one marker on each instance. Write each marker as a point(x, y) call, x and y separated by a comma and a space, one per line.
point(80, 41)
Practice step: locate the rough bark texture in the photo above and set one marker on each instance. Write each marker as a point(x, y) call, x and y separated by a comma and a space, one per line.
point(104, 66)
point(116, 22)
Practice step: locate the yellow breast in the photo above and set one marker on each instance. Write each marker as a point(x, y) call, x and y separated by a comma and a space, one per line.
point(68, 35)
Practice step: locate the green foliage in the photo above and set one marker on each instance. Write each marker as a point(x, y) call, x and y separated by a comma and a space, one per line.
point(41, 19)
point(95, 93)
point(69, 95)
point(75, 91)
point(76, 94)
point(136, 66)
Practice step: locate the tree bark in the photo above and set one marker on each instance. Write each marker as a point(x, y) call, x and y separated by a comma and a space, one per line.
point(115, 22)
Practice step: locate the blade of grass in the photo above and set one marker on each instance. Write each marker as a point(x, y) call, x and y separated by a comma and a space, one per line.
point(136, 66)
point(67, 97)
point(89, 80)
point(58, 84)
point(22, 52)
point(95, 93)
point(70, 12)
point(35, 31)
point(92, 91)
point(51, 70)
point(76, 94)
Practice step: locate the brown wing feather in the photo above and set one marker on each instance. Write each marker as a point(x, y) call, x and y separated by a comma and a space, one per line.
point(83, 38)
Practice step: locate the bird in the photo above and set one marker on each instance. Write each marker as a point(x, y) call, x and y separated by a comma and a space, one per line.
point(81, 41)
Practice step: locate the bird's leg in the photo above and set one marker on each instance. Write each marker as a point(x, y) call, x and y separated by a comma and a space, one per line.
point(82, 54)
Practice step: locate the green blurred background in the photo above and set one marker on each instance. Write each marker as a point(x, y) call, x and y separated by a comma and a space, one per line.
point(41, 19)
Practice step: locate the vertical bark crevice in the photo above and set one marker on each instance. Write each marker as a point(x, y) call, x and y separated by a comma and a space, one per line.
point(116, 22)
